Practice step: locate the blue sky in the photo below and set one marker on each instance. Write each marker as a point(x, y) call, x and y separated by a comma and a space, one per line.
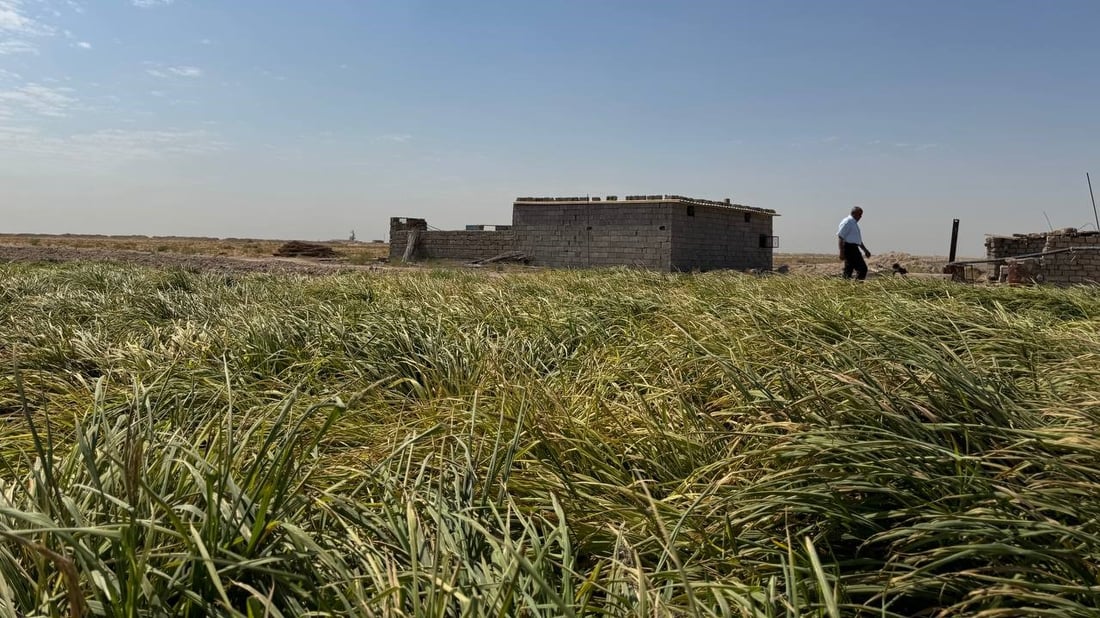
point(282, 119)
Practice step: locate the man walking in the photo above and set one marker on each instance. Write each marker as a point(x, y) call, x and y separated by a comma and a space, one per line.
point(851, 242)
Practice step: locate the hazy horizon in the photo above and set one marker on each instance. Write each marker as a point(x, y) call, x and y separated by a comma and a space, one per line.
point(280, 119)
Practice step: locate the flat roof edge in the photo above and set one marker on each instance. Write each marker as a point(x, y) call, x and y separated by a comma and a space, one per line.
point(678, 200)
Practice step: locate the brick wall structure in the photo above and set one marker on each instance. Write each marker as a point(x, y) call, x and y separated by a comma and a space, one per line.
point(660, 232)
point(447, 244)
point(709, 237)
point(1077, 260)
point(584, 234)
point(1061, 257)
point(997, 247)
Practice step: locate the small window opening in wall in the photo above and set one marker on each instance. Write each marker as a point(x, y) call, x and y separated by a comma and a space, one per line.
point(769, 242)
point(661, 228)
point(748, 217)
point(691, 210)
point(589, 228)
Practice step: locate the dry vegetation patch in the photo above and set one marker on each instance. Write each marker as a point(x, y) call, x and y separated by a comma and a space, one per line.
point(613, 443)
point(880, 264)
point(225, 254)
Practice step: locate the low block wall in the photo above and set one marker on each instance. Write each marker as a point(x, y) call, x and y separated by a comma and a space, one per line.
point(1004, 247)
point(1072, 267)
point(460, 245)
point(999, 247)
point(447, 245)
point(1067, 267)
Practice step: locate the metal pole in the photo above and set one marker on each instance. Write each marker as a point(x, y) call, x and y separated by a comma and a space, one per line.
point(954, 240)
point(1097, 217)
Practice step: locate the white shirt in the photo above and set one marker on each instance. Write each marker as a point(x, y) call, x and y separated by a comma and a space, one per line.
point(849, 231)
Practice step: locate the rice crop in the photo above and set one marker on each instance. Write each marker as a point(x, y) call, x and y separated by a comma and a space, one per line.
point(575, 443)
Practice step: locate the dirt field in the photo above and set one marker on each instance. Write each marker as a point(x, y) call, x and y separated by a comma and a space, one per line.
point(354, 252)
point(878, 264)
point(244, 254)
point(225, 254)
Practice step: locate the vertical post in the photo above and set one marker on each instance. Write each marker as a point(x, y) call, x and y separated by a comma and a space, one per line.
point(954, 240)
point(410, 245)
point(1097, 217)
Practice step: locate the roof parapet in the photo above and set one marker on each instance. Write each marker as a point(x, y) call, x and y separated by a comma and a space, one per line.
point(644, 198)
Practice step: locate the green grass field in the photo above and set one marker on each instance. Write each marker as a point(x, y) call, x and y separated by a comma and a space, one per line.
point(597, 443)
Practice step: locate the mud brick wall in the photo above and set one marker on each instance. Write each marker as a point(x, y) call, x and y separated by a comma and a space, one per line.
point(447, 245)
point(571, 235)
point(1073, 266)
point(713, 237)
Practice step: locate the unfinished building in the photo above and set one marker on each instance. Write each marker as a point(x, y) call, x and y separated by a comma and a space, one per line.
point(661, 232)
point(411, 238)
point(1062, 257)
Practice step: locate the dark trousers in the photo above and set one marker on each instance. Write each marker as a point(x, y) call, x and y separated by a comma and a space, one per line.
point(853, 261)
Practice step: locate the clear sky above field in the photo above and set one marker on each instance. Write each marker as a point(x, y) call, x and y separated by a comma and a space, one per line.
point(279, 118)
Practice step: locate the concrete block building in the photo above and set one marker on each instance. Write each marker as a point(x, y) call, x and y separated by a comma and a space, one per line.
point(661, 232)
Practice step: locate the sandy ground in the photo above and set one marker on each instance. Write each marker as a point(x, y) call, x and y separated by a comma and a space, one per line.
point(877, 265)
point(55, 251)
point(212, 263)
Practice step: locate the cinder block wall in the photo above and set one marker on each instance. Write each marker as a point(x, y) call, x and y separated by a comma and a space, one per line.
point(1066, 268)
point(462, 245)
point(1000, 247)
point(673, 233)
point(600, 234)
point(448, 245)
point(1071, 267)
point(399, 234)
point(712, 237)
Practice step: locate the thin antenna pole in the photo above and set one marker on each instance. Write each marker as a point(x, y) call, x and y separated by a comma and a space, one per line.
point(1097, 217)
